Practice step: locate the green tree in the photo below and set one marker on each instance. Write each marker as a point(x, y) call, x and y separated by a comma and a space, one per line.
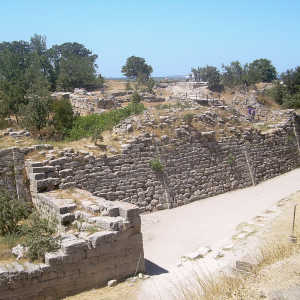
point(37, 110)
point(63, 117)
point(74, 67)
point(291, 80)
point(211, 75)
point(136, 67)
point(150, 84)
point(261, 70)
point(15, 58)
point(136, 98)
point(233, 74)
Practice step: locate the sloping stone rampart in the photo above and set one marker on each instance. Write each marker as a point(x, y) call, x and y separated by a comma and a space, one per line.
point(196, 166)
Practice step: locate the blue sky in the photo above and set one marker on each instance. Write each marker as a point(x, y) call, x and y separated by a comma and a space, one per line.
point(172, 35)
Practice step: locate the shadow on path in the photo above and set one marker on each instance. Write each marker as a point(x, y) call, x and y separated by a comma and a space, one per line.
point(153, 269)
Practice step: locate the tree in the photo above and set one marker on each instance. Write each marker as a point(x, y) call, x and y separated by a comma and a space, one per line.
point(136, 98)
point(75, 67)
point(63, 116)
point(261, 70)
point(150, 84)
point(211, 75)
point(233, 74)
point(15, 58)
point(37, 110)
point(291, 80)
point(136, 67)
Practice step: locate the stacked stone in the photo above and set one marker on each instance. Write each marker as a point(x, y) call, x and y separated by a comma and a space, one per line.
point(83, 262)
point(195, 166)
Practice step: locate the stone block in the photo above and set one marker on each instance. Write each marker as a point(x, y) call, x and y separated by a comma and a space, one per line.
point(55, 258)
point(71, 246)
point(108, 223)
point(102, 237)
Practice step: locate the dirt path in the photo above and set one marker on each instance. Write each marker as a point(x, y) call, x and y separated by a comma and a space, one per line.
point(170, 234)
point(214, 222)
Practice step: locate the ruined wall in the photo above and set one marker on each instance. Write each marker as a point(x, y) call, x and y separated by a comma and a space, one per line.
point(195, 166)
point(85, 261)
point(12, 172)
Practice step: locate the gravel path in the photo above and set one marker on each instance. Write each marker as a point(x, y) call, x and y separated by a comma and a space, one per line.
point(170, 234)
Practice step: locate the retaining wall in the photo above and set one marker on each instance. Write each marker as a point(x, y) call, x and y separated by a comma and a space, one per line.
point(83, 262)
point(196, 166)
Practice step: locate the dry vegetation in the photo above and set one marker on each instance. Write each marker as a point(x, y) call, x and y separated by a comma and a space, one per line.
point(125, 290)
point(276, 254)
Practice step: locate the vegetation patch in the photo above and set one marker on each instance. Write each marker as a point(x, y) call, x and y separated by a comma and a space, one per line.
point(18, 226)
point(85, 126)
point(156, 165)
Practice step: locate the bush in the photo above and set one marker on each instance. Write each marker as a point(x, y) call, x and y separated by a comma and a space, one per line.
point(63, 117)
point(85, 126)
point(36, 113)
point(156, 165)
point(12, 211)
point(4, 123)
point(136, 98)
point(188, 118)
point(292, 101)
point(39, 236)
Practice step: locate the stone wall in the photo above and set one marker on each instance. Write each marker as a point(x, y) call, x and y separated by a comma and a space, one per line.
point(12, 170)
point(84, 261)
point(196, 166)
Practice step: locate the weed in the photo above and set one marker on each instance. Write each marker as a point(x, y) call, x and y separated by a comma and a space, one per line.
point(156, 165)
point(85, 126)
point(231, 159)
point(12, 212)
point(39, 236)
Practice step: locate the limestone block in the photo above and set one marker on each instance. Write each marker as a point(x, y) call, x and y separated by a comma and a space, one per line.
point(108, 223)
point(102, 237)
point(71, 246)
point(55, 258)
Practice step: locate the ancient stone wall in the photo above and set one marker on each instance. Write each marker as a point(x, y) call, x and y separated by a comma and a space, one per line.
point(84, 261)
point(12, 171)
point(196, 166)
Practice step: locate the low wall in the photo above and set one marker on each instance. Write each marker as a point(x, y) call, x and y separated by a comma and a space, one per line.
point(84, 261)
point(196, 166)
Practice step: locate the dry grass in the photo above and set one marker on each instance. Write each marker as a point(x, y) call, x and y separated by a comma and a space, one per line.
point(6, 244)
point(275, 252)
point(114, 85)
point(125, 290)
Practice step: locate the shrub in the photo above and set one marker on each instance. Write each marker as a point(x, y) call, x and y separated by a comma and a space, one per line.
point(39, 236)
point(63, 117)
point(85, 126)
point(4, 123)
point(231, 159)
point(36, 113)
point(156, 165)
point(136, 98)
point(12, 211)
point(188, 118)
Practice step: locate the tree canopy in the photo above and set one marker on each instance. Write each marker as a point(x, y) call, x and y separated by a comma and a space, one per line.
point(234, 74)
point(136, 68)
point(261, 70)
point(210, 74)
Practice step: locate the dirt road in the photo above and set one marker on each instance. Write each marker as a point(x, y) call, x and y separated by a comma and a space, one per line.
point(170, 234)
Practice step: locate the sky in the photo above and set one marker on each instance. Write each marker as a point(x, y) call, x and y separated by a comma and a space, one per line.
point(172, 35)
